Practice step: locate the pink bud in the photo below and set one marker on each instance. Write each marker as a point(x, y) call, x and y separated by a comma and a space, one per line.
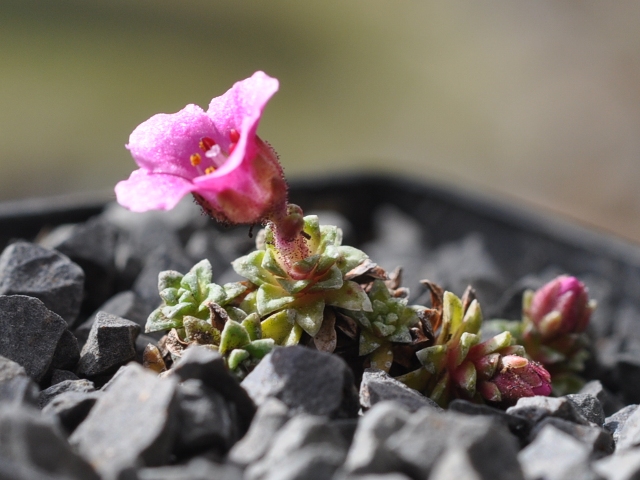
point(518, 377)
point(560, 307)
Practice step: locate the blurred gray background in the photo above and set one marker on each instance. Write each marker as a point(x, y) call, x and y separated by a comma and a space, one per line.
point(531, 102)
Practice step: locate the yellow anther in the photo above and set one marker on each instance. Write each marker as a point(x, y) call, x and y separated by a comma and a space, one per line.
point(195, 159)
point(209, 170)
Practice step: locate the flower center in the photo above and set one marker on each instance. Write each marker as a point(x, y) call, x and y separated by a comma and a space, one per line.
point(213, 153)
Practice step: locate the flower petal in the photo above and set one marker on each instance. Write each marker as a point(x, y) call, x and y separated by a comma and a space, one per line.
point(146, 190)
point(165, 142)
point(245, 100)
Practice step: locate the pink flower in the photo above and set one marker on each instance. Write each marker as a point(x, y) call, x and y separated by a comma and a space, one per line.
point(215, 155)
point(561, 306)
point(516, 377)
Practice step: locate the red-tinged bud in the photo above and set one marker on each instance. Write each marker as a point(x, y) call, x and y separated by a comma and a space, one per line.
point(518, 377)
point(561, 306)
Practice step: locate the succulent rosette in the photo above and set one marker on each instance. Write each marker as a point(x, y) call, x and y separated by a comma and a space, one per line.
point(459, 365)
point(292, 289)
point(190, 296)
point(388, 323)
point(214, 155)
point(197, 311)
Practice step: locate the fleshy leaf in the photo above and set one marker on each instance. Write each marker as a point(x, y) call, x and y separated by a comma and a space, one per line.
point(432, 357)
point(368, 343)
point(350, 258)
point(259, 348)
point(331, 280)
point(232, 290)
point(169, 295)
point(200, 331)
point(350, 297)
point(310, 317)
point(382, 358)
point(293, 286)
point(279, 326)
point(270, 263)
point(233, 336)
point(214, 293)
point(169, 279)
point(250, 267)
point(158, 322)
point(452, 312)
point(252, 325)
point(473, 318)
point(271, 298)
point(236, 357)
point(465, 377)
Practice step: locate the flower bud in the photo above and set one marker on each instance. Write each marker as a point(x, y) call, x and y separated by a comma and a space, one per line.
point(560, 307)
point(517, 377)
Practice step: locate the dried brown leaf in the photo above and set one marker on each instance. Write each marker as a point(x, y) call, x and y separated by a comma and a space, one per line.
point(326, 338)
point(347, 325)
point(219, 316)
point(152, 359)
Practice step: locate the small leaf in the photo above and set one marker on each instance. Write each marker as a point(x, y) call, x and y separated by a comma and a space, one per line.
point(330, 235)
point(190, 283)
point(472, 320)
point(368, 343)
point(432, 357)
point(310, 317)
point(259, 348)
point(270, 264)
point(465, 378)
point(402, 335)
point(169, 295)
point(382, 358)
point(417, 379)
point(236, 313)
point(233, 336)
point(200, 331)
point(204, 274)
point(293, 286)
point(294, 336)
point(350, 296)
point(214, 293)
point(350, 258)
point(157, 322)
point(467, 340)
point(439, 393)
point(331, 280)
point(250, 267)
point(233, 290)
point(236, 357)
point(253, 327)
point(271, 298)
point(328, 258)
point(169, 279)
point(179, 310)
point(186, 297)
point(492, 345)
point(306, 265)
point(248, 303)
point(279, 326)
point(452, 312)
point(326, 338)
point(312, 229)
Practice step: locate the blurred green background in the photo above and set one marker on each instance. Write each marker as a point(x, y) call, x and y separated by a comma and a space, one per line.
point(533, 102)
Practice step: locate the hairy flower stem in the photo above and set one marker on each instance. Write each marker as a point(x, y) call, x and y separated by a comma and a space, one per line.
point(290, 240)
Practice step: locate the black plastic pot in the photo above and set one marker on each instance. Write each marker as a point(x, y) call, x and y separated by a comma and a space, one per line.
point(521, 241)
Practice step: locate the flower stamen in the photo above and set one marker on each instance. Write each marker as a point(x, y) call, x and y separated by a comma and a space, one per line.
point(234, 136)
point(195, 159)
point(209, 170)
